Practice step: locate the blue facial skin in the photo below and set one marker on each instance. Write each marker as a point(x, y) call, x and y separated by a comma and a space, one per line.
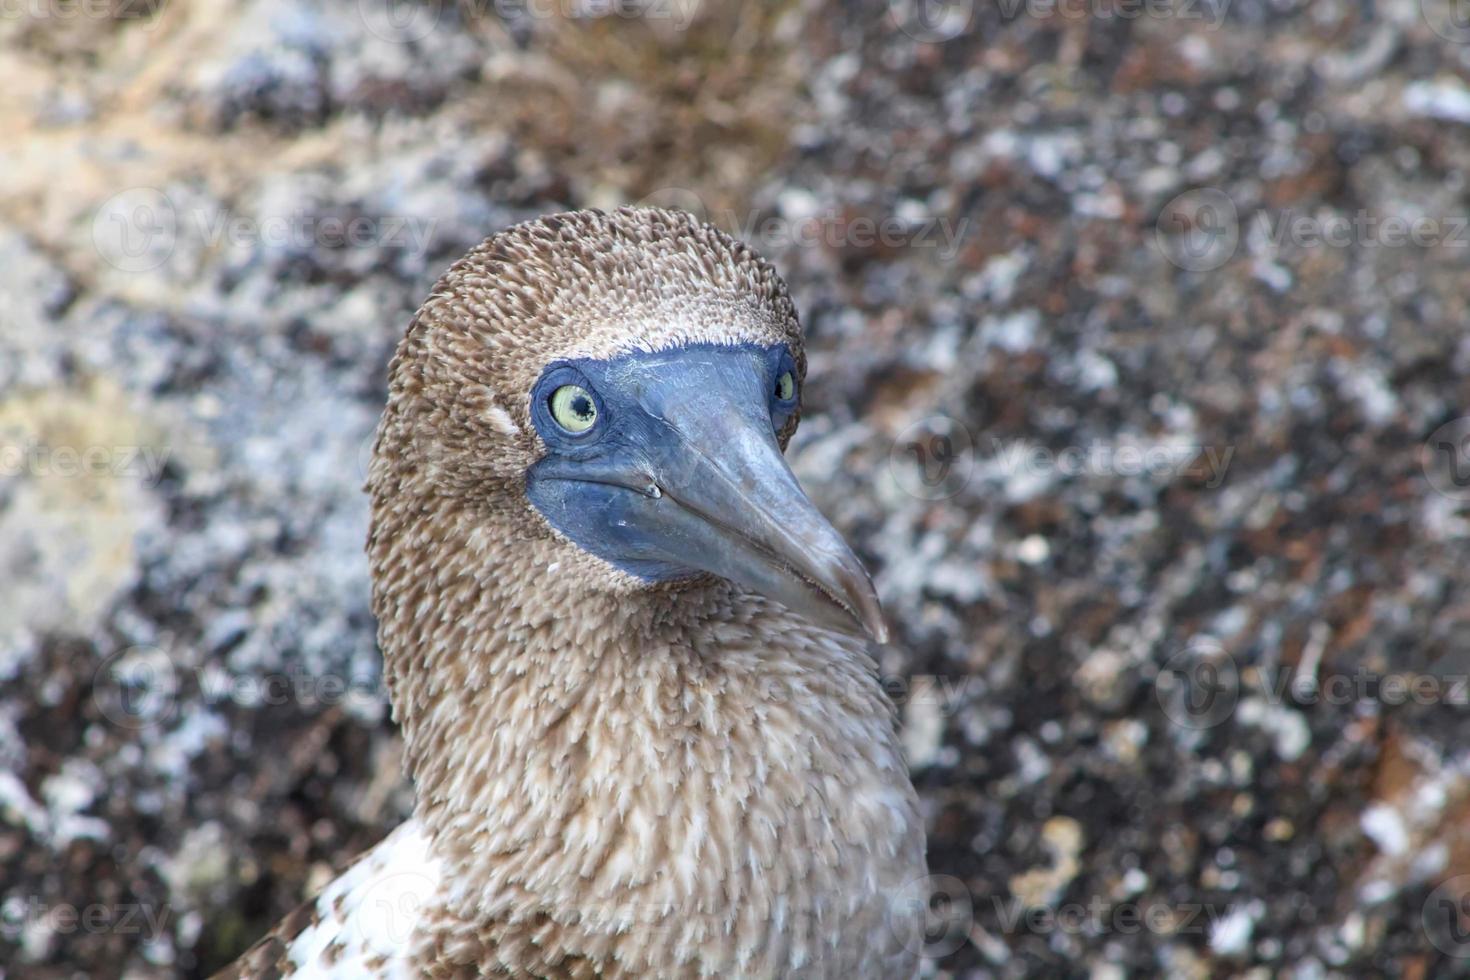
point(661, 417)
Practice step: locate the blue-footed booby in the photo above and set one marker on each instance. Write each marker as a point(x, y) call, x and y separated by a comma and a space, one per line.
point(646, 736)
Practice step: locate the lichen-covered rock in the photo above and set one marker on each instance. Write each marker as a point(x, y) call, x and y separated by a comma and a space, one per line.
point(1137, 332)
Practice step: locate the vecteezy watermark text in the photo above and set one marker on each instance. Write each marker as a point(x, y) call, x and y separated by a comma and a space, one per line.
point(1202, 685)
point(832, 229)
point(138, 229)
point(65, 10)
point(1103, 916)
point(679, 13)
point(406, 21)
point(142, 686)
point(1201, 229)
point(21, 915)
point(143, 463)
point(937, 21)
point(935, 458)
point(827, 226)
point(1362, 228)
point(1205, 463)
point(1208, 12)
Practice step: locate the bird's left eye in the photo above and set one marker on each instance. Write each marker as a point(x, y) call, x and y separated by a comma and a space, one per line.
point(786, 386)
point(573, 408)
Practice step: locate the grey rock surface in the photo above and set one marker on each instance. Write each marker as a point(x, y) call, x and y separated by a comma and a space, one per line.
point(1138, 341)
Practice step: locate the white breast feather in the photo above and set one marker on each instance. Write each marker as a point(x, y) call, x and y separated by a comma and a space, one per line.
point(367, 915)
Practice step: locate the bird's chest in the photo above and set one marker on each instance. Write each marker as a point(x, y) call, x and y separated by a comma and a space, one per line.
point(688, 841)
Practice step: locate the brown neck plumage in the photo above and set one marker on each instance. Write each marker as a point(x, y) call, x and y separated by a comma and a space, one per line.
point(607, 772)
point(603, 758)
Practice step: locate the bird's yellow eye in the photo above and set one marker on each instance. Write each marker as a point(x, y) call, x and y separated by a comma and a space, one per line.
point(573, 408)
point(786, 386)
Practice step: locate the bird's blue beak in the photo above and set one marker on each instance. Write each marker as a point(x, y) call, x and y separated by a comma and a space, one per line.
point(680, 472)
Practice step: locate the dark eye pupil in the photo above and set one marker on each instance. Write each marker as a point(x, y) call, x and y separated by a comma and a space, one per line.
point(582, 406)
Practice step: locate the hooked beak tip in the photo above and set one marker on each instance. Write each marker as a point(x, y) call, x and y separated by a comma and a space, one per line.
point(871, 616)
point(843, 582)
point(877, 628)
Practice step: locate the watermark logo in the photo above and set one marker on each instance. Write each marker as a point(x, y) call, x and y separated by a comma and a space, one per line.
point(391, 908)
point(144, 919)
point(138, 229)
point(1099, 916)
point(1362, 228)
point(936, 915)
point(1445, 459)
point(65, 462)
point(365, 455)
point(141, 687)
point(932, 915)
point(1199, 230)
point(135, 230)
point(943, 691)
point(136, 688)
point(409, 21)
point(677, 13)
point(1446, 917)
point(1199, 686)
point(1206, 464)
point(1209, 12)
point(117, 11)
point(1450, 19)
point(816, 225)
point(674, 198)
point(400, 21)
point(933, 458)
point(932, 21)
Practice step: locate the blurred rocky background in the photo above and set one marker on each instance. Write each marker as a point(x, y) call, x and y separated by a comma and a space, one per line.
point(1139, 357)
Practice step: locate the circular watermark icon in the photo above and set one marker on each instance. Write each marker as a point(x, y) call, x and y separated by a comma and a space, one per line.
point(1446, 917)
point(1199, 686)
point(675, 199)
point(1450, 19)
point(136, 688)
point(932, 21)
point(932, 915)
point(400, 21)
point(1445, 459)
point(933, 458)
point(135, 230)
point(391, 907)
point(1199, 230)
point(365, 455)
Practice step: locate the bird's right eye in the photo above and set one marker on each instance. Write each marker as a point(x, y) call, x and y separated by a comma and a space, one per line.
point(573, 408)
point(785, 387)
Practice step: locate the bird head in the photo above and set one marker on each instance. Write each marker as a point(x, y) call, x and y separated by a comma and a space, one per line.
point(618, 388)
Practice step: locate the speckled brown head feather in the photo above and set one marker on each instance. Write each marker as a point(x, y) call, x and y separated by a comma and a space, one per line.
point(616, 774)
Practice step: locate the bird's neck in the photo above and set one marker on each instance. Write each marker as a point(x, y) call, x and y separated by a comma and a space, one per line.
point(575, 752)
